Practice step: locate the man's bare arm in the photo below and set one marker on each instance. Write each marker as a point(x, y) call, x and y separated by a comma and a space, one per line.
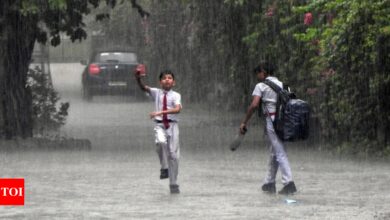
point(253, 106)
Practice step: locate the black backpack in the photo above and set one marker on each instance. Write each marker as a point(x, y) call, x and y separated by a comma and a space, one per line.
point(292, 115)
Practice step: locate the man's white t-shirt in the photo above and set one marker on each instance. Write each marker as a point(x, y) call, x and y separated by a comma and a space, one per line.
point(173, 99)
point(268, 96)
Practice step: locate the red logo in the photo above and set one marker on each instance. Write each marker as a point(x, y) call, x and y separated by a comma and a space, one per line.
point(11, 191)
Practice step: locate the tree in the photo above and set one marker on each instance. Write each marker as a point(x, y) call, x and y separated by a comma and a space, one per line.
point(22, 23)
point(332, 53)
point(353, 43)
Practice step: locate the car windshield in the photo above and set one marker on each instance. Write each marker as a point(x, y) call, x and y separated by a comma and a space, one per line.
point(122, 57)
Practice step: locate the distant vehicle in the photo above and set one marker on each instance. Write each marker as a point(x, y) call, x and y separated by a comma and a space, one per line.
point(110, 72)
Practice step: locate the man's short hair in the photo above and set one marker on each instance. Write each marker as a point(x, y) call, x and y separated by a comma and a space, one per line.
point(166, 72)
point(267, 67)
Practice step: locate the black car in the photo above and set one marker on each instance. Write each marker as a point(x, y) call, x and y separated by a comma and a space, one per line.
point(110, 72)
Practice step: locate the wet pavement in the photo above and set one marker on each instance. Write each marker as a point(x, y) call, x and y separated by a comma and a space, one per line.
point(119, 177)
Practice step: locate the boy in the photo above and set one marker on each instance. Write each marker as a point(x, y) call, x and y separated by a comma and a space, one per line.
point(278, 158)
point(167, 106)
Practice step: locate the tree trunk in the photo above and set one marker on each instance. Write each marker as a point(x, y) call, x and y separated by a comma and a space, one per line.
point(2, 90)
point(17, 43)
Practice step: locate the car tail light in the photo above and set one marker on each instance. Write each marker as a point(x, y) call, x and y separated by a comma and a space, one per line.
point(93, 69)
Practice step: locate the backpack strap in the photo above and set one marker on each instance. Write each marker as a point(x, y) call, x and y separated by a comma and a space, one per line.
point(278, 91)
point(273, 85)
point(284, 93)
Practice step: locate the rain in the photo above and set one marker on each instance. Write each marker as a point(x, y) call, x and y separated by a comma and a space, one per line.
point(76, 126)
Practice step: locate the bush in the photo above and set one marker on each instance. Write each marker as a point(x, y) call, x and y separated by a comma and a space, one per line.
point(47, 115)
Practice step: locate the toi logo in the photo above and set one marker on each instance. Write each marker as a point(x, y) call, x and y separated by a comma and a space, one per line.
point(11, 191)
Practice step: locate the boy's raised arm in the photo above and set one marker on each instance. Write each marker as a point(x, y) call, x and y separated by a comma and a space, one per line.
point(140, 83)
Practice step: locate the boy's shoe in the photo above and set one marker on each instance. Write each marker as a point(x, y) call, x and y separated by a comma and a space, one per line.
point(174, 189)
point(288, 189)
point(164, 173)
point(269, 188)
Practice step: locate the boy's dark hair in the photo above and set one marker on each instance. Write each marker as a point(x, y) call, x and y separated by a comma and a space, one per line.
point(267, 67)
point(166, 72)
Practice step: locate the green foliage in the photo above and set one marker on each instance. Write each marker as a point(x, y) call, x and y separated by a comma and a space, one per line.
point(339, 61)
point(22, 23)
point(353, 45)
point(235, 2)
point(47, 116)
point(49, 18)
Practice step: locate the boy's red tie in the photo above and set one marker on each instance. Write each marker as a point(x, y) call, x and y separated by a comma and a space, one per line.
point(165, 116)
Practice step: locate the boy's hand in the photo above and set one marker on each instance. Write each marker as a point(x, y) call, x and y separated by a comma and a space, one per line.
point(137, 75)
point(154, 114)
point(140, 71)
point(243, 128)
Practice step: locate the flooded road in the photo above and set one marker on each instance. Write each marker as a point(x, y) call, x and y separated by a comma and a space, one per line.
point(119, 177)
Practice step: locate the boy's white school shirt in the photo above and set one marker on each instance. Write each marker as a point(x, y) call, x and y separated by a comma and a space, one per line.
point(173, 99)
point(267, 94)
